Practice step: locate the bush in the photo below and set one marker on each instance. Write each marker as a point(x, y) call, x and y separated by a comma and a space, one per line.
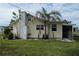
point(7, 33)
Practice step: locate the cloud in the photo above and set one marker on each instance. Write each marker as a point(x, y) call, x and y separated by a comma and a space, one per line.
point(33, 7)
point(6, 14)
point(69, 11)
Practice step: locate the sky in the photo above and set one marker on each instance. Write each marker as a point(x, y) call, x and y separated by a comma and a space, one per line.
point(69, 11)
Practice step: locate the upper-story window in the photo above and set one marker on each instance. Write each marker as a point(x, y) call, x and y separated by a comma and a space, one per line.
point(39, 27)
point(28, 16)
point(54, 27)
point(29, 19)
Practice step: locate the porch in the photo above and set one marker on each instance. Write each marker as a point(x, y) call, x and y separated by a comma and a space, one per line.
point(67, 32)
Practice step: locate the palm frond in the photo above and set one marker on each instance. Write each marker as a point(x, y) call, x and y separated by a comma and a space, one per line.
point(14, 13)
point(44, 11)
point(55, 12)
point(40, 15)
point(58, 17)
point(46, 15)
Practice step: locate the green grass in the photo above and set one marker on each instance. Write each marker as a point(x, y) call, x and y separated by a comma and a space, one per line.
point(38, 48)
point(76, 35)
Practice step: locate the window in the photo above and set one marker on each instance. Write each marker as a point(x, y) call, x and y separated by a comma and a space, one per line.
point(29, 19)
point(40, 27)
point(54, 27)
point(29, 34)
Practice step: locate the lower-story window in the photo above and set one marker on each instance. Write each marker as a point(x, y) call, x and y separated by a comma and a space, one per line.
point(54, 27)
point(28, 34)
point(42, 27)
point(39, 27)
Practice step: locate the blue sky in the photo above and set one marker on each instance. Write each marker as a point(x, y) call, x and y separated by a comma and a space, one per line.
point(69, 11)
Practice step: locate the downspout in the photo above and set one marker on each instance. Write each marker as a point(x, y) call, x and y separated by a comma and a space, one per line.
point(72, 32)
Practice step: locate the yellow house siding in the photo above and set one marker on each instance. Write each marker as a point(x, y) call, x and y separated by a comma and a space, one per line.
point(32, 28)
point(57, 33)
point(34, 33)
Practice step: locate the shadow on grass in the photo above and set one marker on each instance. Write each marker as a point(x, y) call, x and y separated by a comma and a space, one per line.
point(76, 37)
point(72, 52)
point(31, 48)
point(5, 50)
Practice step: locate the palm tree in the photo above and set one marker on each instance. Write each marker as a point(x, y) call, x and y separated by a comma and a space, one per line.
point(45, 16)
point(15, 18)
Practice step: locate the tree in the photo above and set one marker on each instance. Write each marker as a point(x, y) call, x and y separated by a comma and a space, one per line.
point(13, 21)
point(45, 16)
point(7, 30)
point(15, 16)
point(7, 33)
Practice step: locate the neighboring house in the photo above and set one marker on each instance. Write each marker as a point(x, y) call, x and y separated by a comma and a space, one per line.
point(1, 31)
point(75, 29)
point(78, 29)
point(29, 26)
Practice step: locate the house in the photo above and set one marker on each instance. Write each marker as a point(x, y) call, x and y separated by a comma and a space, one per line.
point(19, 27)
point(1, 31)
point(75, 29)
point(29, 26)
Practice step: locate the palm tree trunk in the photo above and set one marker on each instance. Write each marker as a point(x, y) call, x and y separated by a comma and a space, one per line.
point(48, 30)
point(45, 30)
point(53, 34)
point(39, 33)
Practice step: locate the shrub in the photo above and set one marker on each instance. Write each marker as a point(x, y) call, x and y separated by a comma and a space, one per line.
point(7, 33)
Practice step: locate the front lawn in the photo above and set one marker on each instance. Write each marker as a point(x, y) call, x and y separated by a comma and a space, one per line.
point(76, 35)
point(38, 48)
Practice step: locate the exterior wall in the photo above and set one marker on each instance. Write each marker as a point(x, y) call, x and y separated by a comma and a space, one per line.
point(19, 28)
point(22, 28)
point(34, 33)
point(32, 28)
point(58, 33)
point(14, 29)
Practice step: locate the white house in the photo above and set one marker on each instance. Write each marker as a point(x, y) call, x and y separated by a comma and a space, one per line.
point(1, 31)
point(19, 27)
point(29, 26)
